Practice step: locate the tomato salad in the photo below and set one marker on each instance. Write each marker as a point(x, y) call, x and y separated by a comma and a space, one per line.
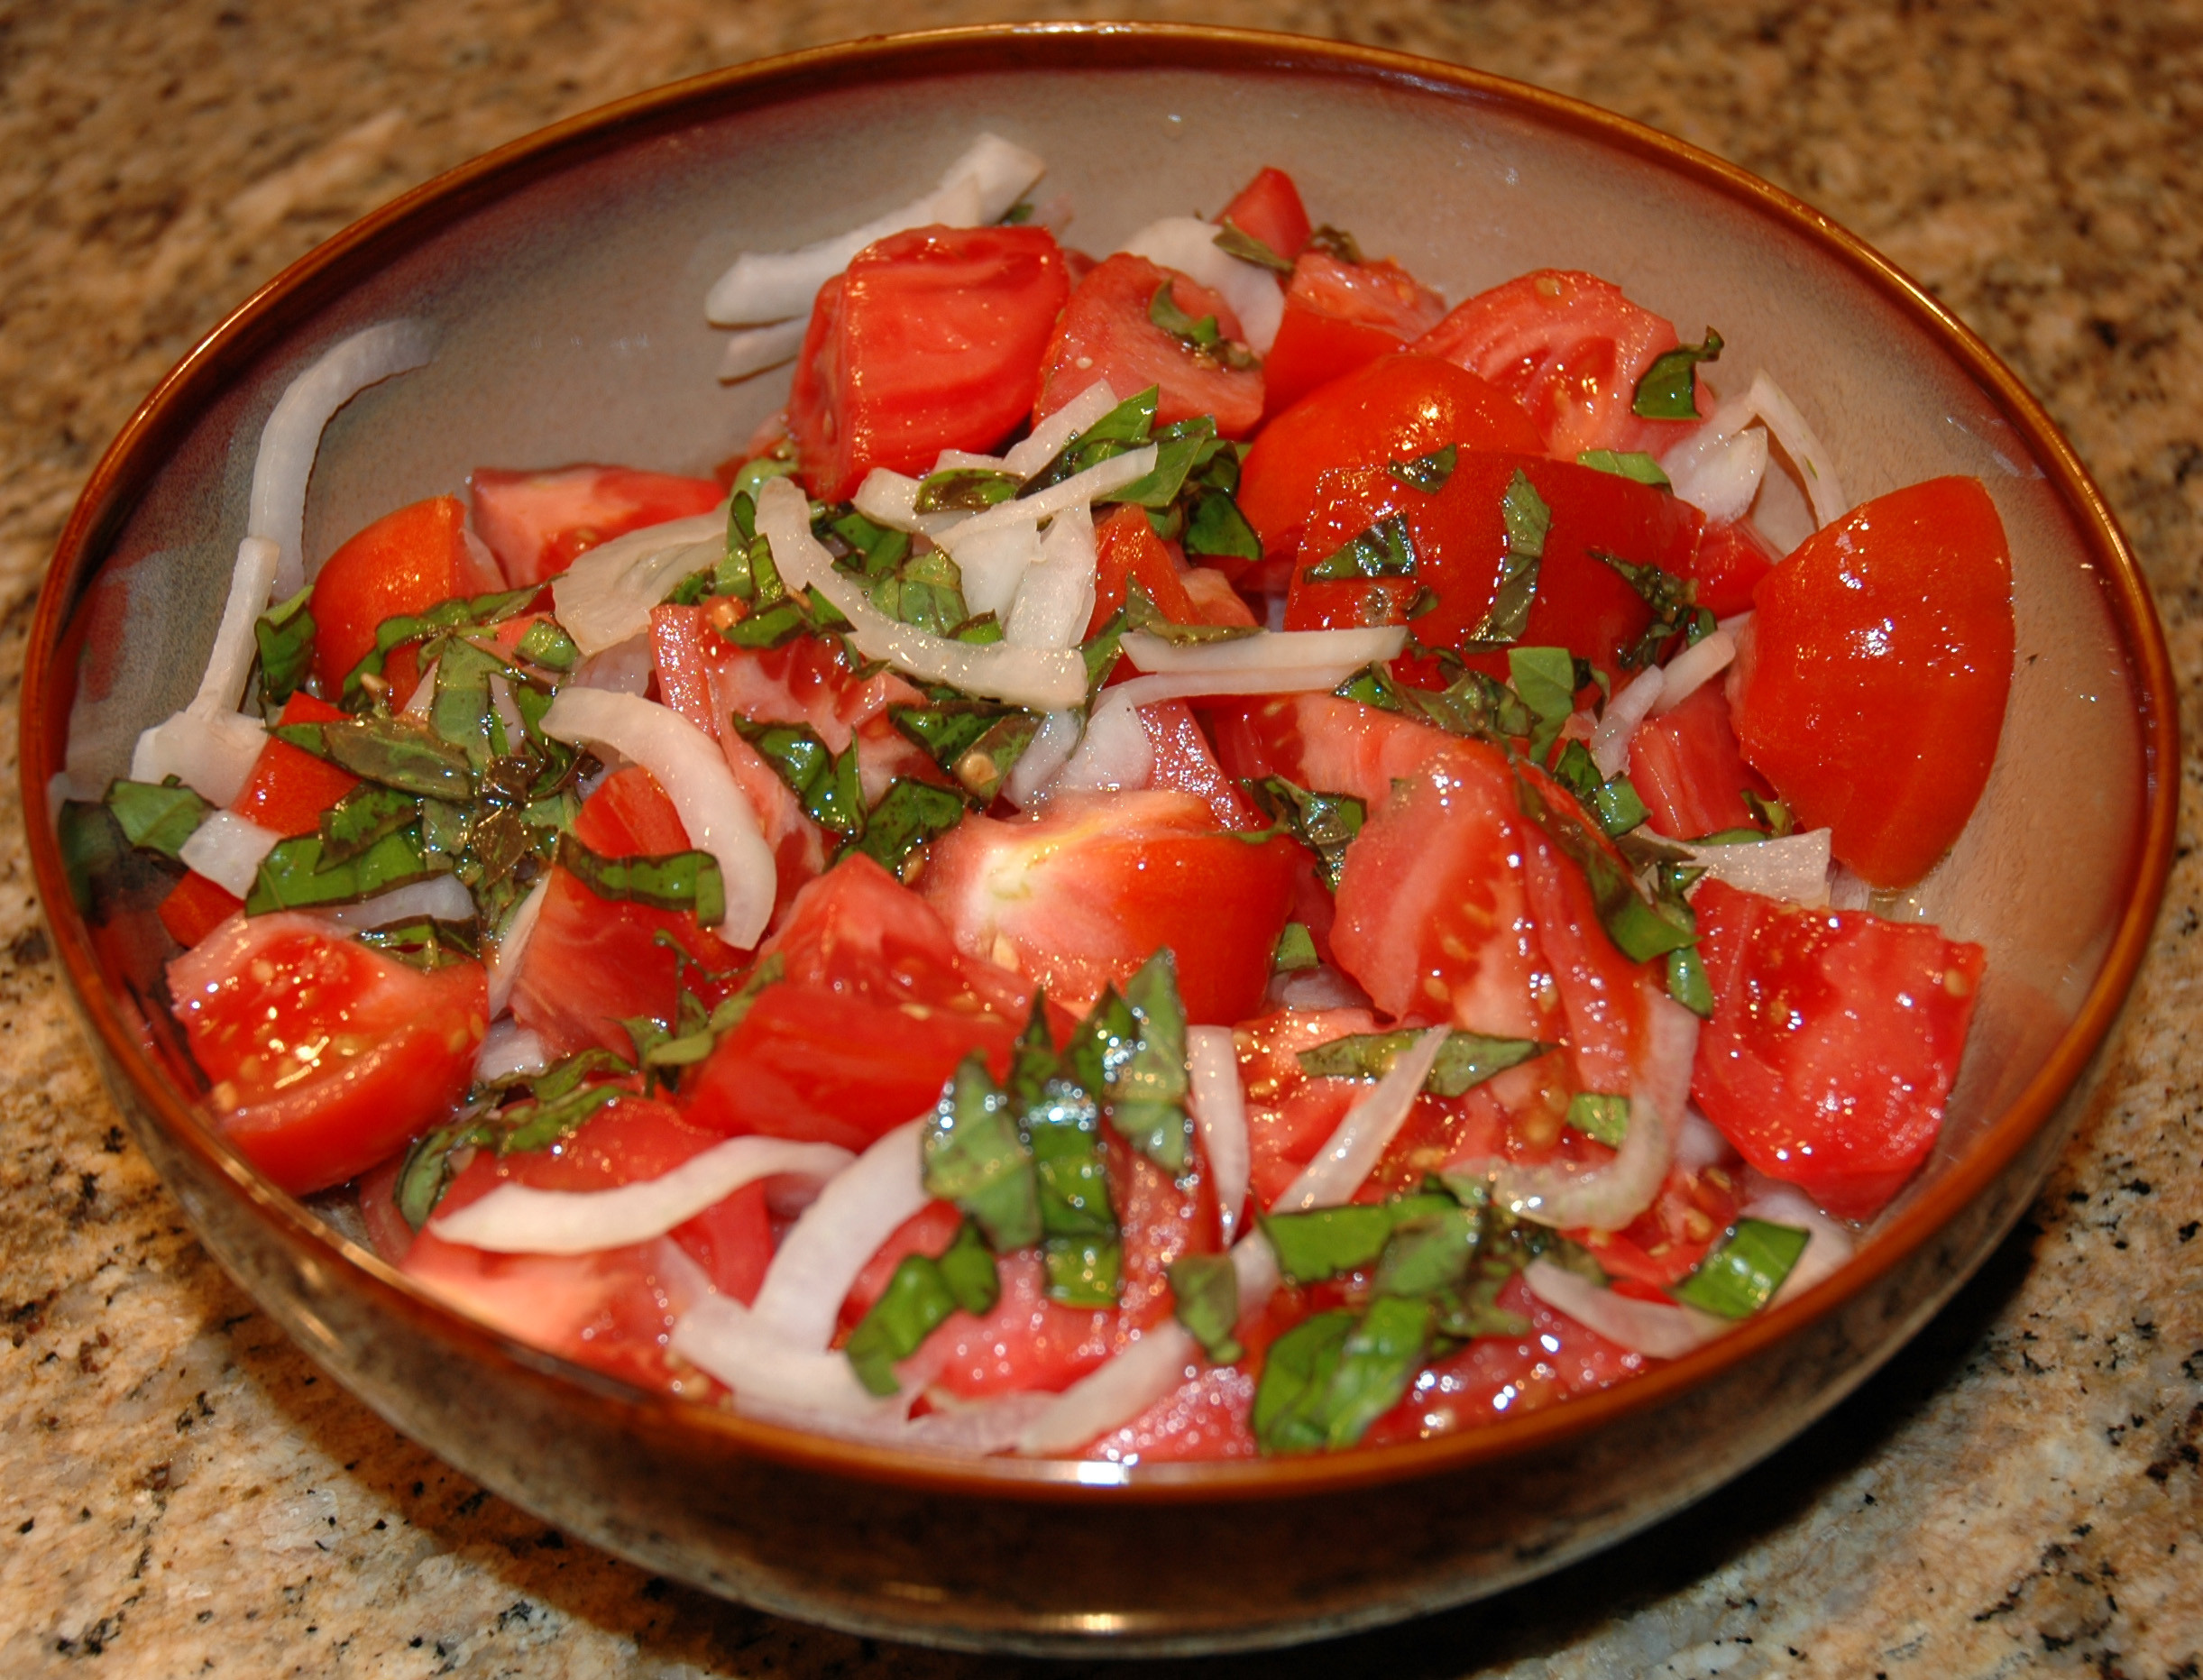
point(1193, 854)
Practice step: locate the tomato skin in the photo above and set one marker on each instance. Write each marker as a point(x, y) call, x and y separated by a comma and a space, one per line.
point(930, 340)
point(195, 907)
point(1269, 208)
point(1570, 349)
point(1339, 317)
point(403, 563)
point(1834, 1039)
point(290, 788)
point(1127, 547)
point(1663, 1244)
point(1731, 560)
point(1869, 685)
point(536, 524)
point(324, 1055)
point(867, 965)
point(1078, 898)
point(1106, 334)
point(1397, 408)
point(1582, 603)
point(1689, 770)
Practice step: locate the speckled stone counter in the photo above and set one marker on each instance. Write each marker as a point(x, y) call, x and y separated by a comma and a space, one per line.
point(2017, 1492)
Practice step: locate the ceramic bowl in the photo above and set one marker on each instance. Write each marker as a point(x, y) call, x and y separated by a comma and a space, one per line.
point(566, 274)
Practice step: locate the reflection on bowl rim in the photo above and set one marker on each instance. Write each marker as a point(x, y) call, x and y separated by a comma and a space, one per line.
point(318, 279)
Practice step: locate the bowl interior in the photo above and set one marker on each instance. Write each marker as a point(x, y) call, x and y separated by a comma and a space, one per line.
point(567, 290)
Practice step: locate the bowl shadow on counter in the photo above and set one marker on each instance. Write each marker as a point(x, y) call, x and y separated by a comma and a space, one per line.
point(1528, 1621)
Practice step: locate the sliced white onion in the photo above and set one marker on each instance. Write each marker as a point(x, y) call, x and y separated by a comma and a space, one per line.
point(441, 897)
point(819, 1260)
point(1220, 1114)
point(1826, 1249)
point(424, 695)
point(1607, 1198)
point(227, 849)
point(1641, 1326)
point(891, 499)
point(292, 435)
point(1699, 1144)
point(1804, 449)
point(1609, 742)
point(1035, 451)
point(252, 581)
point(518, 1219)
point(1082, 490)
point(1282, 652)
point(1044, 758)
point(1115, 754)
point(212, 752)
point(1356, 1147)
point(510, 1050)
point(1188, 244)
point(1323, 987)
point(1047, 679)
point(1793, 868)
point(1056, 598)
point(606, 595)
point(1718, 472)
point(511, 947)
point(692, 773)
point(757, 348)
point(766, 1370)
point(623, 668)
point(1692, 669)
point(1164, 1356)
point(769, 286)
point(993, 562)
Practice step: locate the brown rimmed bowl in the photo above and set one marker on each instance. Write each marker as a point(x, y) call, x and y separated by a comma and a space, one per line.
point(566, 274)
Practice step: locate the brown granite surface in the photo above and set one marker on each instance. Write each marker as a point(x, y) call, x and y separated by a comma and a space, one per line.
point(2019, 1492)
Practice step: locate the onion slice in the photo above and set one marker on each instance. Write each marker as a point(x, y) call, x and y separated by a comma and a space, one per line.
point(1220, 1114)
point(1803, 446)
point(1692, 669)
point(604, 598)
point(1164, 1356)
point(1056, 597)
point(511, 946)
point(212, 752)
point(1188, 244)
point(692, 770)
point(758, 348)
point(1609, 742)
point(1641, 1326)
point(1793, 868)
point(817, 1261)
point(1282, 654)
point(510, 1050)
point(1356, 1147)
point(440, 896)
point(227, 849)
point(517, 1219)
point(1040, 445)
point(771, 1375)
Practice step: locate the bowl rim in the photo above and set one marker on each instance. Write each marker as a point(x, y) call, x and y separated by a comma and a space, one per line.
point(144, 444)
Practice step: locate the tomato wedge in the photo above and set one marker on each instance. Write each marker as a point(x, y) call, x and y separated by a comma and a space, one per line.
point(1341, 316)
point(289, 789)
point(1078, 898)
point(1689, 771)
point(405, 561)
point(1869, 685)
point(1834, 1039)
point(326, 1056)
point(1732, 558)
point(1397, 408)
point(1106, 334)
point(536, 523)
point(1269, 208)
point(1127, 548)
point(929, 340)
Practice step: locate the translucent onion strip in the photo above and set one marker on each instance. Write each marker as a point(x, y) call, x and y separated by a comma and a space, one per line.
point(212, 752)
point(1163, 1357)
point(605, 597)
point(1056, 597)
point(440, 896)
point(1793, 868)
point(817, 1261)
point(510, 1050)
point(1826, 1249)
point(771, 1375)
point(1043, 758)
point(692, 772)
point(1642, 1327)
point(1609, 742)
point(227, 849)
point(1220, 1114)
point(762, 347)
point(518, 1219)
point(1355, 1149)
point(511, 947)
point(1692, 669)
point(1287, 655)
point(1188, 244)
point(1040, 446)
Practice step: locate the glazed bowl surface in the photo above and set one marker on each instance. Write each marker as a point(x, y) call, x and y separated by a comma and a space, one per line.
point(564, 276)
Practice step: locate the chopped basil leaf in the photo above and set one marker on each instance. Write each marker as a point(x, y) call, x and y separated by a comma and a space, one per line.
point(1016, 216)
point(964, 490)
point(909, 814)
point(1183, 449)
point(983, 767)
point(1205, 1297)
point(1296, 950)
point(1430, 472)
point(974, 1158)
point(1082, 1271)
point(827, 784)
point(398, 752)
point(1235, 240)
point(1467, 1059)
point(539, 1125)
point(1125, 427)
point(1061, 1123)
point(1327, 1243)
point(681, 880)
point(968, 1267)
point(1740, 1275)
point(424, 942)
point(1625, 463)
point(1328, 1378)
point(980, 630)
point(285, 636)
point(1147, 1089)
point(1288, 1414)
point(1325, 823)
point(1334, 241)
point(1614, 804)
point(1215, 528)
point(1528, 521)
point(751, 477)
point(1100, 651)
point(295, 876)
point(462, 712)
point(1545, 679)
point(1164, 311)
point(1427, 1254)
point(916, 1302)
point(878, 549)
point(1640, 930)
point(1673, 603)
point(948, 728)
point(1771, 812)
point(159, 816)
point(421, 627)
point(927, 590)
point(1687, 982)
point(1669, 389)
point(1605, 1119)
point(428, 1171)
point(546, 644)
point(1142, 613)
point(769, 627)
point(363, 816)
point(1386, 549)
point(1372, 686)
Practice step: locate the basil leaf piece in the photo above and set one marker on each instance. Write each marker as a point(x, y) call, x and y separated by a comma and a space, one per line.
point(1205, 1299)
point(1082, 1271)
point(428, 1171)
point(1181, 448)
point(1669, 389)
point(1328, 1378)
point(1688, 983)
point(1467, 1059)
point(964, 490)
point(424, 942)
point(1142, 613)
point(909, 814)
point(1215, 528)
point(1427, 1255)
point(159, 816)
point(1544, 679)
point(1335, 242)
point(1429, 473)
point(878, 549)
point(1235, 240)
point(363, 816)
point(1527, 520)
point(826, 785)
point(1125, 427)
point(1740, 1275)
point(916, 1302)
point(1603, 1118)
point(1164, 311)
point(982, 767)
point(463, 613)
point(1296, 1372)
point(681, 880)
point(1061, 1122)
point(285, 637)
point(1773, 812)
point(538, 1126)
point(1148, 1087)
point(1325, 823)
point(1613, 804)
point(1372, 686)
point(1296, 950)
point(396, 752)
point(1640, 929)
point(1327, 1243)
point(751, 477)
point(295, 876)
point(974, 1157)
point(546, 644)
point(1674, 606)
point(1100, 651)
point(968, 1267)
point(1386, 549)
point(1625, 463)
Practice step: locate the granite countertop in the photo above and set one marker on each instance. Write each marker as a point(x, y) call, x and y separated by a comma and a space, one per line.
point(2017, 1491)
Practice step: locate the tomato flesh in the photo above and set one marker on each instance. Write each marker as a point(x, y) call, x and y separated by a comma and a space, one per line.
point(1269, 208)
point(1834, 1039)
point(404, 563)
point(324, 1055)
point(1690, 772)
point(1870, 682)
point(1107, 335)
point(1341, 316)
point(290, 788)
point(929, 340)
point(537, 523)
